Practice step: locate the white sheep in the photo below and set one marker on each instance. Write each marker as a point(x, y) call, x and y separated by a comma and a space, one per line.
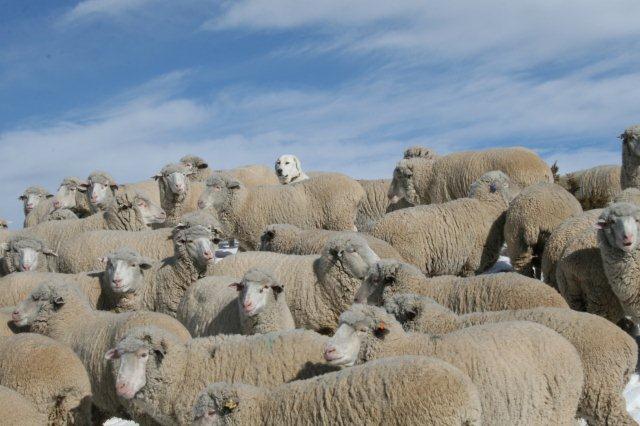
point(329, 201)
point(433, 179)
point(525, 372)
point(388, 391)
point(289, 169)
point(595, 187)
point(58, 310)
point(460, 237)
point(178, 194)
point(164, 376)
point(31, 197)
point(26, 253)
point(199, 167)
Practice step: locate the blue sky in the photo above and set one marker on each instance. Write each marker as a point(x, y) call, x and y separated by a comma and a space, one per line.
point(130, 85)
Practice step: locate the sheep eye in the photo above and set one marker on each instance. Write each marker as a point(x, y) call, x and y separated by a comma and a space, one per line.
point(286, 163)
point(144, 355)
point(133, 265)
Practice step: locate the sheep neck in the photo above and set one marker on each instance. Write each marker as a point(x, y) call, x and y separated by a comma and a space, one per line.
point(621, 268)
point(172, 203)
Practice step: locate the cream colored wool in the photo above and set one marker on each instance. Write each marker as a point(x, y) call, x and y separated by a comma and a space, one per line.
point(434, 179)
point(461, 237)
point(595, 187)
point(375, 203)
point(289, 239)
point(34, 216)
point(329, 201)
point(148, 188)
point(61, 214)
point(50, 375)
point(176, 205)
point(81, 206)
point(15, 409)
point(488, 292)
point(199, 166)
point(10, 260)
point(608, 354)
point(252, 175)
point(630, 172)
point(629, 195)
point(531, 217)
point(64, 314)
point(526, 374)
point(562, 235)
point(318, 288)
point(7, 328)
point(177, 371)
point(359, 395)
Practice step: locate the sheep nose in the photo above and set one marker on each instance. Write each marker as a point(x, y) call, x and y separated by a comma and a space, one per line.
point(208, 255)
point(26, 267)
point(247, 305)
point(117, 282)
point(201, 204)
point(56, 204)
point(15, 316)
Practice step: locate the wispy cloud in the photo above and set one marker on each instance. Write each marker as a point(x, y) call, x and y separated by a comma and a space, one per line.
point(96, 8)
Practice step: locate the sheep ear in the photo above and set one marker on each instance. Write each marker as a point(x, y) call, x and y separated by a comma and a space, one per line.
point(49, 196)
point(600, 224)
point(277, 289)
point(22, 198)
point(233, 184)
point(381, 330)
point(202, 166)
point(112, 354)
point(58, 301)
point(411, 315)
point(157, 176)
point(114, 186)
point(268, 235)
point(46, 250)
point(237, 286)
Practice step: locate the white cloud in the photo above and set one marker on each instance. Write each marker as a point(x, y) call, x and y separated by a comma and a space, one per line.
point(95, 8)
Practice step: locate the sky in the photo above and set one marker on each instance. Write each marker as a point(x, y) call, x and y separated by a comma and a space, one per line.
point(127, 86)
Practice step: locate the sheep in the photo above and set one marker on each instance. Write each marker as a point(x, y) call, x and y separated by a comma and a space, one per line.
point(581, 279)
point(525, 372)
point(531, 217)
point(558, 240)
point(101, 188)
point(138, 283)
point(389, 391)
point(61, 214)
point(198, 166)
point(618, 243)
point(289, 239)
point(629, 174)
point(329, 201)
point(608, 354)
point(49, 374)
point(252, 175)
point(319, 288)
point(31, 197)
point(375, 203)
point(164, 376)
point(15, 409)
point(58, 310)
point(129, 211)
point(72, 194)
point(461, 237)
point(595, 187)
point(26, 253)
point(489, 292)
point(178, 194)
point(418, 151)
point(433, 179)
point(84, 252)
point(289, 169)
point(262, 304)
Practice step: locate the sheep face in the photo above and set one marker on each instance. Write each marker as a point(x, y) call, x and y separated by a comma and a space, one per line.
point(352, 254)
point(372, 289)
point(125, 271)
point(200, 243)
point(406, 308)
point(194, 163)
point(219, 191)
point(288, 168)
point(66, 196)
point(43, 299)
point(631, 139)
point(402, 186)
point(99, 194)
point(32, 197)
point(149, 212)
point(619, 226)
point(361, 331)
point(27, 259)
point(224, 403)
point(256, 291)
point(131, 376)
point(24, 254)
point(492, 185)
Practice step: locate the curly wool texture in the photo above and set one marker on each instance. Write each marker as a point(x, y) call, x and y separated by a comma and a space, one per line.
point(329, 201)
point(289, 239)
point(524, 372)
point(252, 175)
point(595, 187)
point(15, 409)
point(120, 215)
point(10, 261)
point(558, 240)
point(418, 151)
point(83, 252)
point(92, 333)
point(318, 288)
point(581, 278)
point(375, 203)
point(61, 214)
point(174, 382)
point(531, 217)
point(608, 354)
point(44, 196)
point(81, 206)
point(176, 205)
point(489, 292)
point(275, 315)
point(630, 172)
point(388, 391)
point(440, 179)
point(460, 237)
point(49, 374)
point(621, 268)
point(629, 195)
point(166, 282)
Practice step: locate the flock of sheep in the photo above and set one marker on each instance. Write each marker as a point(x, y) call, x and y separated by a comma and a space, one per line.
point(344, 301)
